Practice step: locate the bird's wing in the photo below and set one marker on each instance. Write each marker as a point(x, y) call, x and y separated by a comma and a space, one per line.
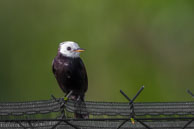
point(75, 74)
point(83, 75)
point(71, 75)
point(53, 68)
point(62, 74)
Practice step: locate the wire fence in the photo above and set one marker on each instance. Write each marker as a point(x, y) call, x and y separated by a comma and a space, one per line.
point(58, 113)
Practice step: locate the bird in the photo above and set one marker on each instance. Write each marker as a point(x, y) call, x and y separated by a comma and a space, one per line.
point(70, 73)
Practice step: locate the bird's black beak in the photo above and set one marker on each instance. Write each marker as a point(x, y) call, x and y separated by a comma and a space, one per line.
point(79, 50)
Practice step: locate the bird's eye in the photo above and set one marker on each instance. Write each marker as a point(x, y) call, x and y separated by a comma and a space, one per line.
point(68, 48)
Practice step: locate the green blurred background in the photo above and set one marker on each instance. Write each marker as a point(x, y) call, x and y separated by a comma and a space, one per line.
point(129, 43)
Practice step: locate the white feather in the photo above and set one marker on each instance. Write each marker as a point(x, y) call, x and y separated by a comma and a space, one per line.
point(69, 53)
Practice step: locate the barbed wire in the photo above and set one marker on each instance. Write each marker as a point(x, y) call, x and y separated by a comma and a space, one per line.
point(59, 113)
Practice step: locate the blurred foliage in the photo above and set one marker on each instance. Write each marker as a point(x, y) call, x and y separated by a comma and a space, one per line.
point(129, 43)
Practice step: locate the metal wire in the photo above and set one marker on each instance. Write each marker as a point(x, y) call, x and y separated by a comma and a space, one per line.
point(102, 115)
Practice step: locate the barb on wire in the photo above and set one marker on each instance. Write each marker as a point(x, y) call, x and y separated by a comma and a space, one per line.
point(160, 115)
point(125, 95)
point(145, 125)
point(53, 97)
point(21, 125)
point(132, 114)
point(132, 100)
point(188, 123)
point(189, 92)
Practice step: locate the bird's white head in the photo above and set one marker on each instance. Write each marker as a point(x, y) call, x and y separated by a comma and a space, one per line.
point(70, 49)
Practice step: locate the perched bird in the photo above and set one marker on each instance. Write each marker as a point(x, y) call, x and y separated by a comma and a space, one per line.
point(70, 72)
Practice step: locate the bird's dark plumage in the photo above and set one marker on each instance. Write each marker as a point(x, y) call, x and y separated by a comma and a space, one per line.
point(70, 74)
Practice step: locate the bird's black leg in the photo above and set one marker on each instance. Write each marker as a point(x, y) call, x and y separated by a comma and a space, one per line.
point(81, 108)
point(78, 100)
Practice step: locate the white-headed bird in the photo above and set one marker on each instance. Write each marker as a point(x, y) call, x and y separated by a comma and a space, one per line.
point(70, 72)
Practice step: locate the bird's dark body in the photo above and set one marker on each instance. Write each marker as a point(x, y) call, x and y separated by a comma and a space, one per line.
point(70, 74)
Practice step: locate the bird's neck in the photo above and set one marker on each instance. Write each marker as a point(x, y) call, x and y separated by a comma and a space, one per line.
point(62, 56)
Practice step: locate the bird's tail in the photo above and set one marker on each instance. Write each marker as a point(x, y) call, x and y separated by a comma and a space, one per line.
point(80, 107)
